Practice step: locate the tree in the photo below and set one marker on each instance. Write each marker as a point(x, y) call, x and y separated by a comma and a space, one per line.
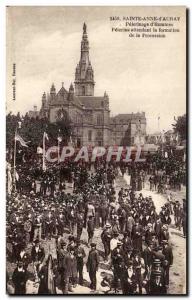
point(32, 130)
point(180, 127)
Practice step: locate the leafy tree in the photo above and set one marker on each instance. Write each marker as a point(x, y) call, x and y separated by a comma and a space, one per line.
point(180, 127)
point(32, 129)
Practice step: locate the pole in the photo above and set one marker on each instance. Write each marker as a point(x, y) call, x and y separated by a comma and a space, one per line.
point(14, 159)
point(158, 123)
point(44, 167)
point(58, 150)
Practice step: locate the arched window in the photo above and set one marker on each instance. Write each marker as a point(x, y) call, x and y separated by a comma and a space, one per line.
point(99, 119)
point(83, 90)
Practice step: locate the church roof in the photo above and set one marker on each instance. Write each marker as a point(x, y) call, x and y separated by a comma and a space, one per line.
point(129, 116)
point(91, 102)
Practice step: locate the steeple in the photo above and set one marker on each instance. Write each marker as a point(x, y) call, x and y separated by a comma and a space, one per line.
point(84, 77)
point(52, 91)
point(71, 93)
point(44, 100)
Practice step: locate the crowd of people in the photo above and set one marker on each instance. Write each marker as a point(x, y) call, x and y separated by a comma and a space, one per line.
point(92, 222)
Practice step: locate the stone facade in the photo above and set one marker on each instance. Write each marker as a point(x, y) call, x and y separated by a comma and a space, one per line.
point(128, 129)
point(89, 114)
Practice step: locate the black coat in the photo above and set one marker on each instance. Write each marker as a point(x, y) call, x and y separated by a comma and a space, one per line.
point(168, 254)
point(148, 257)
point(37, 256)
point(157, 288)
point(93, 261)
point(19, 279)
point(129, 284)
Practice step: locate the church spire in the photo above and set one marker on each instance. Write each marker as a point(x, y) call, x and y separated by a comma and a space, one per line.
point(84, 77)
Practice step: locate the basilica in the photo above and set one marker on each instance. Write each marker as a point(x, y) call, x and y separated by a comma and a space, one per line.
point(90, 114)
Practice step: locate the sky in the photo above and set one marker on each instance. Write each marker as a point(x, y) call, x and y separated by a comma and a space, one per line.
point(138, 74)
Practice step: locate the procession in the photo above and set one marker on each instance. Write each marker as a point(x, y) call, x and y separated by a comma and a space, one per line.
point(96, 173)
point(72, 226)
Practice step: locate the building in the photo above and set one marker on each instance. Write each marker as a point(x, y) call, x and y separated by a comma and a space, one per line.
point(90, 114)
point(128, 129)
point(33, 113)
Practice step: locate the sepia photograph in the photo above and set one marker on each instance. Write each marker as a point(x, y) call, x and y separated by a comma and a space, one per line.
point(96, 150)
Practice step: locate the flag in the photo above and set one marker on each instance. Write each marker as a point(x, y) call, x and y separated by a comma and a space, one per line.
point(45, 135)
point(9, 181)
point(21, 140)
point(50, 276)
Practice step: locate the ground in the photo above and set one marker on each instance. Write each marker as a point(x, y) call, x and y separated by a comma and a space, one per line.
point(177, 271)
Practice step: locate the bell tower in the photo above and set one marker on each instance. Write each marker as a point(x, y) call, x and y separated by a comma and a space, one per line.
point(84, 76)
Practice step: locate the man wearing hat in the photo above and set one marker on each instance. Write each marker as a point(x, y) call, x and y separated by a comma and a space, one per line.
point(92, 265)
point(127, 242)
point(106, 237)
point(129, 282)
point(157, 284)
point(23, 256)
point(60, 222)
point(117, 257)
point(80, 255)
point(90, 210)
point(149, 233)
point(157, 266)
point(104, 211)
point(157, 228)
point(19, 279)
point(130, 223)
point(37, 225)
point(90, 228)
point(80, 224)
point(164, 233)
point(137, 264)
point(168, 253)
point(148, 259)
point(137, 235)
point(62, 252)
point(70, 269)
point(37, 256)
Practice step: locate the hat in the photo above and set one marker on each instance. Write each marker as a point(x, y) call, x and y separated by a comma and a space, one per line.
point(165, 242)
point(36, 241)
point(149, 225)
point(93, 245)
point(108, 225)
point(156, 261)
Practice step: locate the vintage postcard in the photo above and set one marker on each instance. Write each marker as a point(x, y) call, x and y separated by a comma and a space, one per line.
point(96, 144)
